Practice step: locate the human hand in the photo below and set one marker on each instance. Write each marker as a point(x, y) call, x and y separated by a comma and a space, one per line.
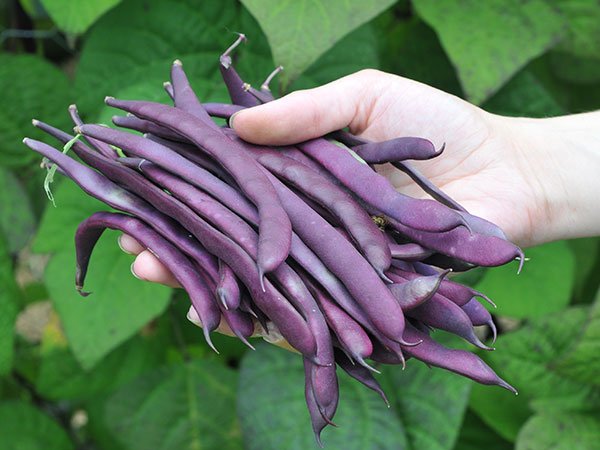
point(510, 171)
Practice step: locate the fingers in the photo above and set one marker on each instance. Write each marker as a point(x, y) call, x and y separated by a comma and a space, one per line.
point(310, 113)
point(146, 266)
point(130, 245)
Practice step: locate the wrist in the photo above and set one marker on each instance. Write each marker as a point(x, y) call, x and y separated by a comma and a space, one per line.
point(560, 158)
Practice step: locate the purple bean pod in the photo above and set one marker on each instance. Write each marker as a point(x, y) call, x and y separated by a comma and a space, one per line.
point(275, 228)
point(90, 230)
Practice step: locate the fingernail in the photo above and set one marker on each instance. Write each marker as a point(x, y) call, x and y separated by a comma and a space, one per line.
point(120, 244)
point(193, 316)
point(133, 271)
point(232, 117)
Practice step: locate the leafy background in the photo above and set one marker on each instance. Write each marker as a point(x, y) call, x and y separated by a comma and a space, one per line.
point(122, 369)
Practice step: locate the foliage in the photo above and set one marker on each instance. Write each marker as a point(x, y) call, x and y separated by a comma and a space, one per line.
point(123, 369)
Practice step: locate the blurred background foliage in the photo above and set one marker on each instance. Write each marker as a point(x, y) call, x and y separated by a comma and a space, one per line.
point(124, 370)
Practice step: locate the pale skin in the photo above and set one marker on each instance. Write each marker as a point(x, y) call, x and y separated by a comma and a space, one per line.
point(538, 179)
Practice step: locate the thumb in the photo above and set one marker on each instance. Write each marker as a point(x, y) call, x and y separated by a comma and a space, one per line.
point(306, 114)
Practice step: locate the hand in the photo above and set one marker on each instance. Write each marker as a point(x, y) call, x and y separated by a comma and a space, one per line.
point(514, 172)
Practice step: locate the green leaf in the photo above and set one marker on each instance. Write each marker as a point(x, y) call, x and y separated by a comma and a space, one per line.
point(525, 359)
point(431, 403)
point(524, 95)
point(9, 297)
point(135, 44)
point(581, 362)
point(187, 406)
point(505, 414)
point(34, 88)
point(126, 362)
point(583, 31)
point(476, 435)
point(560, 432)
point(412, 49)
point(544, 285)
point(485, 40)
point(59, 223)
point(119, 305)
point(17, 221)
point(274, 416)
point(76, 17)
point(587, 262)
point(575, 69)
point(300, 31)
point(352, 53)
point(23, 427)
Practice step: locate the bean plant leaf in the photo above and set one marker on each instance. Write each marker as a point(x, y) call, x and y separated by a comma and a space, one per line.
point(120, 366)
point(431, 403)
point(273, 412)
point(524, 95)
point(32, 88)
point(412, 49)
point(560, 432)
point(505, 414)
point(17, 221)
point(581, 362)
point(476, 435)
point(300, 31)
point(485, 40)
point(9, 297)
point(117, 308)
point(183, 406)
point(356, 51)
point(119, 305)
point(527, 362)
point(24, 427)
point(587, 260)
point(575, 69)
point(583, 31)
point(544, 285)
point(59, 223)
point(137, 41)
point(76, 17)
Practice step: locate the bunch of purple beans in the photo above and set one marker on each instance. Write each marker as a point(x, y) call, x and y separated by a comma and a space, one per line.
point(307, 241)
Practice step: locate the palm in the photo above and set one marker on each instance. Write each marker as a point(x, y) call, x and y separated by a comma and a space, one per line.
point(482, 171)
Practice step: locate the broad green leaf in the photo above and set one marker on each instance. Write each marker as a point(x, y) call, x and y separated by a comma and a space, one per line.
point(583, 31)
point(17, 221)
point(9, 297)
point(76, 17)
point(476, 435)
point(32, 88)
point(412, 49)
point(119, 367)
point(352, 53)
point(560, 432)
point(524, 95)
point(59, 223)
point(485, 40)
point(544, 286)
point(525, 358)
point(136, 42)
point(117, 308)
point(274, 416)
point(23, 427)
point(431, 403)
point(300, 31)
point(587, 265)
point(505, 414)
point(187, 406)
point(582, 361)
point(575, 69)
